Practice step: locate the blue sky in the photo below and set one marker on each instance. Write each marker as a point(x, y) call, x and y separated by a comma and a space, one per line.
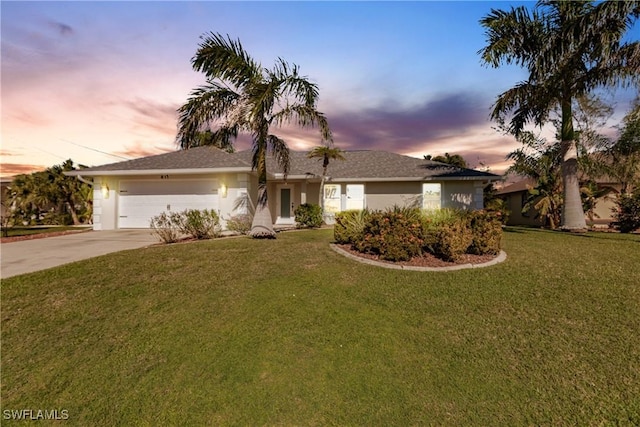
point(80, 79)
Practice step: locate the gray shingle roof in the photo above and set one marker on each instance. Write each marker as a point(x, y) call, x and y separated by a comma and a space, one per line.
point(366, 164)
point(195, 158)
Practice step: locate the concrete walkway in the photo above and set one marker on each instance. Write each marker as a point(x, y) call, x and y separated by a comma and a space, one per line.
point(33, 255)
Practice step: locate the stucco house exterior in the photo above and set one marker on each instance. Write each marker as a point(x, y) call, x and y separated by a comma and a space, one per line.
point(127, 194)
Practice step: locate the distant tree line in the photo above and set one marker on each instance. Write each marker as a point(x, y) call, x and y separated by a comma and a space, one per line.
point(48, 197)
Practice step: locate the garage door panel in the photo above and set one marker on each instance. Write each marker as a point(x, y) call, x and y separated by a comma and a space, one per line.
point(168, 187)
point(139, 201)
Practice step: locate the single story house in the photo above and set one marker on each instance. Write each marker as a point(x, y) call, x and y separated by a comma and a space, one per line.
point(515, 196)
point(127, 194)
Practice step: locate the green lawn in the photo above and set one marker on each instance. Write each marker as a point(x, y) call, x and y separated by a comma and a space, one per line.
point(25, 231)
point(287, 332)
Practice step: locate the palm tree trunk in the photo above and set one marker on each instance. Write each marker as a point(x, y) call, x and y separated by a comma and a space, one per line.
point(572, 212)
point(322, 195)
point(74, 214)
point(262, 225)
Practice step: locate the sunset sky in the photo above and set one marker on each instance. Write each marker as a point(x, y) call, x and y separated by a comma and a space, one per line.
point(100, 82)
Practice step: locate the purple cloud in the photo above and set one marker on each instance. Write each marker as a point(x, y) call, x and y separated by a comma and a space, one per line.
point(61, 28)
point(408, 130)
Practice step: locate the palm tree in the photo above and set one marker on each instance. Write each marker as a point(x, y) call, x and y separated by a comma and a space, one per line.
point(569, 48)
point(542, 163)
point(242, 96)
point(326, 153)
point(621, 159)
point(454, 160)
point(207, 138)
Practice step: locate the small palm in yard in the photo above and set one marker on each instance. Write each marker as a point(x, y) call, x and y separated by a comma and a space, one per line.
point(326, 153)
point(569, 49)
point(242, 96)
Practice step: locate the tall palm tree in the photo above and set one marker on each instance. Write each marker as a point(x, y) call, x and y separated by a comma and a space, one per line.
point(569, 48)
point(242, 96)
point(326, 153)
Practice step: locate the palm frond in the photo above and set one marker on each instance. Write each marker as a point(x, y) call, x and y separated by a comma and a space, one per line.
point(513, 37)
point(205, 104)
point(280, 152)
point(292, 84)
point(304, 116)
point(527, 101)
point(222, 58)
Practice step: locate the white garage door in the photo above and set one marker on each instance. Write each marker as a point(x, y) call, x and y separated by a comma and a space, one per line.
point(140, 200)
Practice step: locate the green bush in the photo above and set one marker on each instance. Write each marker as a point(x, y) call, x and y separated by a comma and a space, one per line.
point(349, 226)
point(499, 208)
point(166, 227)
point(486, 229)
point(240, 223)
point(452, 239)
point(433, 221)
point(399, 234)
point(56, 218)
point(200, 224)
point(627, 212)
point(443, 216)
point(308, 215)
point(395, 235)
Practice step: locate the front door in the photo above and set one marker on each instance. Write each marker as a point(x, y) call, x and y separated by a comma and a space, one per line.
point(285, 203)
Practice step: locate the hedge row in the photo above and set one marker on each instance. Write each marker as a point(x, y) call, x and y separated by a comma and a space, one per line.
point(399, 234)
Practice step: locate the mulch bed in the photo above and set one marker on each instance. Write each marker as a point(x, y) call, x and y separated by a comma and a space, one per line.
point(427, 260)
point(39, 236)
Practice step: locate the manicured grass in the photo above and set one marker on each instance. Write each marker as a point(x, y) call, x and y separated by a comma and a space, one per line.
point(287, 332)
point(25, 231)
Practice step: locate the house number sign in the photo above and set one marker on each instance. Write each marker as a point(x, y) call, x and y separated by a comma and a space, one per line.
point(164, 176)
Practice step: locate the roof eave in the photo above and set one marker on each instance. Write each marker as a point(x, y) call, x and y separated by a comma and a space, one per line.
point(147, 172)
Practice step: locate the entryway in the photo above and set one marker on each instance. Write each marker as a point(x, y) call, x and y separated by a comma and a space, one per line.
point(285, 205)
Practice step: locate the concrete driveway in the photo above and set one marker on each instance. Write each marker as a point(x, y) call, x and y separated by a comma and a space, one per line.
point(32, 255)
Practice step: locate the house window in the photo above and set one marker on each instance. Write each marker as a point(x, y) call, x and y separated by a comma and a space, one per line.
point(355, 196)
point(431, 196)
point(332, 198)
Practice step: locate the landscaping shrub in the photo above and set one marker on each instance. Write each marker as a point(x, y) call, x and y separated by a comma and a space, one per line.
point(56, 218)
point(200, 224)
point(444, 216)
point(240, 223)
point(166, 227)
point(452, 239)
point(395, 235)
point(627, 212)
point(308, 215)
point(349, 226)
point(499, 208)
point(486, 229)
point(400, 233)
point(433, 221)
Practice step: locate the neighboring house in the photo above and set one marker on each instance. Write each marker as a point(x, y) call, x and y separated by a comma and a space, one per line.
point(515, 195)
point(127, 194)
